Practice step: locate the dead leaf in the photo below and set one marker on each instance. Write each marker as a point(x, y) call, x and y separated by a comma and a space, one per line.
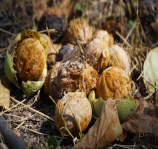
point(123, 135)
point(105, 130)
point(143, 106)
point(144, 119)
point(4, 93)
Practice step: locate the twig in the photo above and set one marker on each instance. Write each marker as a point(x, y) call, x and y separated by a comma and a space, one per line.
point(63, 4)
point(7, 24)
point(147, 97)
point(36, 97)
point(13, 106)
point(26, 118)
point(20, 125)
point(140, 24)
point(33, 16)
point(150, 83)
point(44, 134)
point(130, 32)
point(135, 42)
point(46, 116)
point(7, 32)
point(123, 39)
point(14, 115)
point(3, 49)
point(37, 132)
point(122, 20)
point(1, 5)
point(50, 30)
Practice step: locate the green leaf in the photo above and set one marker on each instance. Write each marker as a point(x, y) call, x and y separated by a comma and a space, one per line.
point(84, 6)
point(53, 141)
point(80, 6)
point(130, 23)
point(60, 141)
point(42, 147)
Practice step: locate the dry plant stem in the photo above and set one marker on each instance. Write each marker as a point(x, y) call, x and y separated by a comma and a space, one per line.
point(122, 21)
point(51, 40)
point(52, 100)
point(135, 42)
point(33, 16)
point(3, 49)
point(50, 30)
point(130, 32)
point(140, 76)
point(13, 115)
point(27, 118)
point(45, 134)
point(46, 116)
point(20, 125)
point(77, 122)
point(36, 132)
point(1, 5)
point(140, 24)
point(7, 32)
point(129, 8)
point(7, 24)
point(36, 97)
point(123, 39)
point(125, 146)
point(80, 47)
point(150, 83)
point(13, 106)
point(63, 4)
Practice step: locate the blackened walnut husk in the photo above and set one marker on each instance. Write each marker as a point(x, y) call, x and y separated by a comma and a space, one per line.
point(65, 50)
point(53, 18)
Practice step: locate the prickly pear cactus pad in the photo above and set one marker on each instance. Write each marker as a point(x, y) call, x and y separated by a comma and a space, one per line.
point(26, 61)
point(150, 70)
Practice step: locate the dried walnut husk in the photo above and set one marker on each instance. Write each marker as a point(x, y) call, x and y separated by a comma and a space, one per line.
point(113, 83)
point(97, 54)
point(65, 50)
point(53, 18)
point(25, 61)
point(119, 57)
point(74, 111)
point(69, 77)
point(27, 57)
point(79, 31)
point(104, 37)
